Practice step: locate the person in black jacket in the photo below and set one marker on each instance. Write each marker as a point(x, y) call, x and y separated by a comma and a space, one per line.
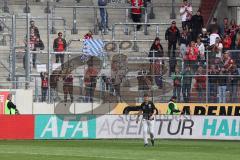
point(197, 24)
point(59, 45)
point(33, 29)
point(156, 65)
point(37, 46)
point(172, 35)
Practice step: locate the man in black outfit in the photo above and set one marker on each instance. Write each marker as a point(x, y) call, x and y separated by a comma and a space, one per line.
point(197, 24)
point(172, 35)
point(148, 110)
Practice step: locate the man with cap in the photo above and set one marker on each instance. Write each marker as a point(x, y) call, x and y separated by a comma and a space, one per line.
point(59, 45)
point(148, 110)
point(172, 35)
point(172, 106)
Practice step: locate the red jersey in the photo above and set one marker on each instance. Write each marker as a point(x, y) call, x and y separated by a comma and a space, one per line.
point(227, 42)
point(44, 83)
point(138, 9)
point(60, 46)
point(192, 53)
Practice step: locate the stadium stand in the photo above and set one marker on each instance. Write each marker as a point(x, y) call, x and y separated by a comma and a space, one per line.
point(87, 21)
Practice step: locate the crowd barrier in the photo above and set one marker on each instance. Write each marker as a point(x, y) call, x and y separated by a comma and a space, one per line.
point(117, 127)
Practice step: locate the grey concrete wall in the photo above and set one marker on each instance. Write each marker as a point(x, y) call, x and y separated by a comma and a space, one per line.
point(233, 3)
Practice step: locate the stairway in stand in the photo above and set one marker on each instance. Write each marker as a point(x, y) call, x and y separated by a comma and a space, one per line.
point(207, 7)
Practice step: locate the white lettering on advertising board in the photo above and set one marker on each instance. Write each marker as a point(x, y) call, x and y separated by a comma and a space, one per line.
point(171, 127)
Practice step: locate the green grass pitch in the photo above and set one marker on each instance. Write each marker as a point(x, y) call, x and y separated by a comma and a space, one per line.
point(119, 150)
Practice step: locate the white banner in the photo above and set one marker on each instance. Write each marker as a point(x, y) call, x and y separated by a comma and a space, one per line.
point(171, 127)
point(56, 66)
point(41, 68)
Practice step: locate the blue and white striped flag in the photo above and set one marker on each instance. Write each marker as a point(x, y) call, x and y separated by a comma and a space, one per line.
point(93, 47)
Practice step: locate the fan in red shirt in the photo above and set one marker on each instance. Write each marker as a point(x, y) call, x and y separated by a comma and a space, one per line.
point(59, 45)
point(227, 41)
point(136, 11)
point(192, 55)
point(228, 61)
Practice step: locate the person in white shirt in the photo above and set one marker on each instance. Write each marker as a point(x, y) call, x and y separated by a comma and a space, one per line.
point(213, 38)
point(201, 54)
point(218, 47)
point(186, 14)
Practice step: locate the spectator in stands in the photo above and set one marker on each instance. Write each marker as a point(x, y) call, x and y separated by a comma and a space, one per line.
point(225, 28)
point(184, 42)
point(192, 55)
point(68, 86)
point(237, 40)
point(44, 78)
point(59, 45)
point(186, 84)
point(54, 78)
point(205, 39)
point(116, 80)
point(144, 84)
point(233, 28)
point(156, 65)
point(214, 27)
point(216, 51)
point(104, 15)
point(186, 14)
point(222, 84)
point(227, 42)
point(32, 43)
point(200, 84)
point(33, 29)
point(197, 24)
point(172, 35)
point(136, 11)
point(227, 61)
point(212, 39)
point(233, 87)
point(212, 84)
point(237, 62)
point(201, 52)
point(177, 80)
point(37, 46)
point(90, 81)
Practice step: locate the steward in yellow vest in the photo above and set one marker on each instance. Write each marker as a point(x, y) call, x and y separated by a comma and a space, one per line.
point(10, 108)
point(172, 107)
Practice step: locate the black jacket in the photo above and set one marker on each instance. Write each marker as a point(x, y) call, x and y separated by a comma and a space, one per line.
point(197, 23)
point(172, 35)
point(55, 44)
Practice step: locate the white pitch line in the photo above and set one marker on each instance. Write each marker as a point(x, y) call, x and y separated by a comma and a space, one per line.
point(51, 154)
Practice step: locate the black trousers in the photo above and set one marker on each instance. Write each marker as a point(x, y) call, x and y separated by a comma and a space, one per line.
point(60, 58)
point(172, 56)
point(137, 19)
